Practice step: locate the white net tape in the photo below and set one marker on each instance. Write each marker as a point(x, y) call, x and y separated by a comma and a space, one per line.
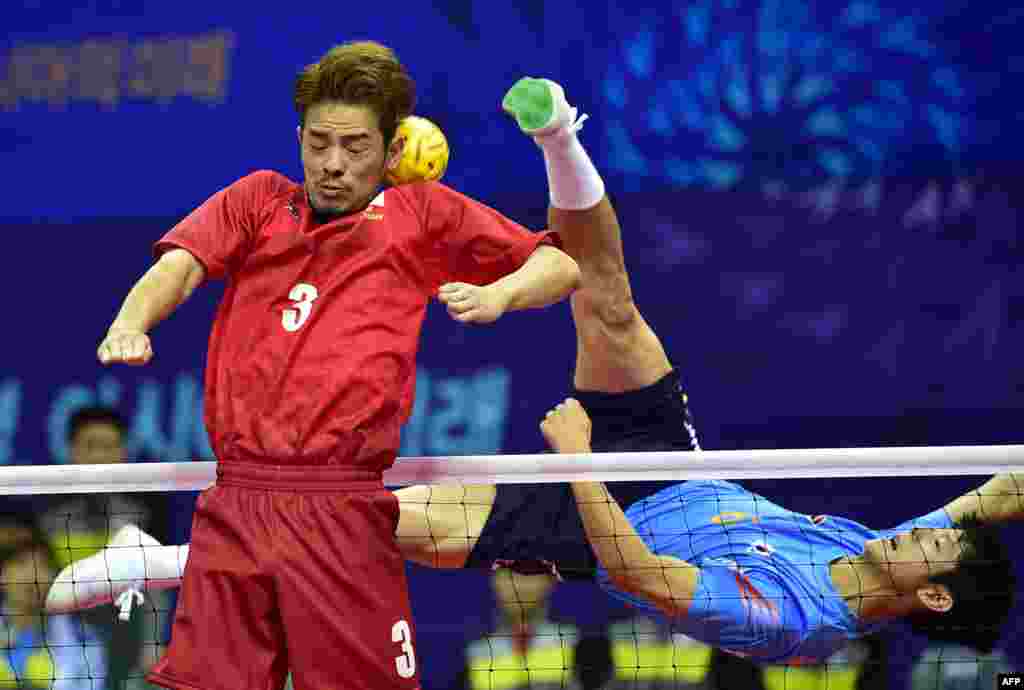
point(924, 461)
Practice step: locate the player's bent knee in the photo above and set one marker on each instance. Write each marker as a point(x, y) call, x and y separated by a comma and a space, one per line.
point(613, 312)
point(619, 315)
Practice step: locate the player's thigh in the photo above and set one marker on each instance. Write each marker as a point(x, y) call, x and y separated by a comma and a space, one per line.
point(227, 633)
point(343, 594)
point(440, 524)
point(617, 350)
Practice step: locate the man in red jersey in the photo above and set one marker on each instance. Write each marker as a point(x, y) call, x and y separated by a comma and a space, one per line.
point(310, 374)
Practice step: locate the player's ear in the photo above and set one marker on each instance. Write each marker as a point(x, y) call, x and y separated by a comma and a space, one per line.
point(395, 151)
point(936, 598)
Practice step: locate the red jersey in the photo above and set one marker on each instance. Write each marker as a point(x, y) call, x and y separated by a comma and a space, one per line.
point(312, 352)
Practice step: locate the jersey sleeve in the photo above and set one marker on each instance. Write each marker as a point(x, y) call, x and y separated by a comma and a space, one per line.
point(219, 233)
point(935, 519)
point(739, 610)
point(478, 244)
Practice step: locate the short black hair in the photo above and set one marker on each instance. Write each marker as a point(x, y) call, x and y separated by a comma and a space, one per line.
point(94, 414)
point(983, 587)
point(22, 534)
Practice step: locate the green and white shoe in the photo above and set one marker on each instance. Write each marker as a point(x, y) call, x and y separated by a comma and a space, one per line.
point(539, 107)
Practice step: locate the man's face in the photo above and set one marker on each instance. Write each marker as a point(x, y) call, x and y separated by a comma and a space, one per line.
point(911, 558)
point(25, 578)
point(97, 443)
point(343, 156)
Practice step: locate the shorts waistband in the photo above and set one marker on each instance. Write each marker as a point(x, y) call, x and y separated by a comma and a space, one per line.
point(311, 478)
point(668, 387)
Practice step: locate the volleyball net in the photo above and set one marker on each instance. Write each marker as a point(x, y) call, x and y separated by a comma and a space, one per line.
point(845, 568)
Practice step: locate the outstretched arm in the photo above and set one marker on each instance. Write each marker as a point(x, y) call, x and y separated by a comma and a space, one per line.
point(158, 293)
point(548, 276)
point(666, 582)
point(1000, 499)
point(669, 583)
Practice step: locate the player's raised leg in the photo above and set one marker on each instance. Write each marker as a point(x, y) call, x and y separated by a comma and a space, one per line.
point(616, 350)
point(439, 525)
point(131, 561)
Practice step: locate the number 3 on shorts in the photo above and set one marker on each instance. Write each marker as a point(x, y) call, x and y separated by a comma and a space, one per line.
point(406, 664)
point(302, 296)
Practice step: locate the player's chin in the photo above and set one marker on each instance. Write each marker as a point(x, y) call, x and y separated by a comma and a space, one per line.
point(334, 202)
point(331, 206)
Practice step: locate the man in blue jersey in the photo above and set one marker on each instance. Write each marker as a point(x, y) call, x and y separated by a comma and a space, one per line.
point(734, 570)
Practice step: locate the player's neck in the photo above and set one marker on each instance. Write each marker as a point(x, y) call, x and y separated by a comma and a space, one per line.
point(868, 590)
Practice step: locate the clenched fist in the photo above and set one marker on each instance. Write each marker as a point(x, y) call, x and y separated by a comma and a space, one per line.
point(125, 347)
point(566, 428)
point(473, 303)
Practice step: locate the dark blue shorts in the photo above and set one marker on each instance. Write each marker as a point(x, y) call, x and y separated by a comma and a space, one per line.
point(535, 528)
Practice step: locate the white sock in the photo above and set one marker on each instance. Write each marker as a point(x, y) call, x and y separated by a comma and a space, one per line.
point(182, 557)
point(163, 565)
point(573, 182)
point(174, 567)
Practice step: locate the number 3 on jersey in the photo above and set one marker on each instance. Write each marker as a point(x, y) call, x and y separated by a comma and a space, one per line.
point(406, 663)
point(302, 296)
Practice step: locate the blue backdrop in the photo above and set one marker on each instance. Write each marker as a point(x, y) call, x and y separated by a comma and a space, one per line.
point(819, 204)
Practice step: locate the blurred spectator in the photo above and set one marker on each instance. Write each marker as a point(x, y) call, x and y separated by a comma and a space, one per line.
point(61, 652)
point(861, 665)
point(646, 655)
point(528, 650)
point(80, 525)
point(952, 667)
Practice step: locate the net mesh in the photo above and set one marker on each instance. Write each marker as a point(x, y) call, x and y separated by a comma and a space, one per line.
point(785, 599)
point(784, 584)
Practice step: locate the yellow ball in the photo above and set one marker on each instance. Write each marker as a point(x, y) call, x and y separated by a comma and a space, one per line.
point(425, 155)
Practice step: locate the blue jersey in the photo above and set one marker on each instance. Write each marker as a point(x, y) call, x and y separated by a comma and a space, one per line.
point(765, 588)
point(64, 654)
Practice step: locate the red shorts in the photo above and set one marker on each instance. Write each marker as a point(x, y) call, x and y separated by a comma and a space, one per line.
point(292, 571)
